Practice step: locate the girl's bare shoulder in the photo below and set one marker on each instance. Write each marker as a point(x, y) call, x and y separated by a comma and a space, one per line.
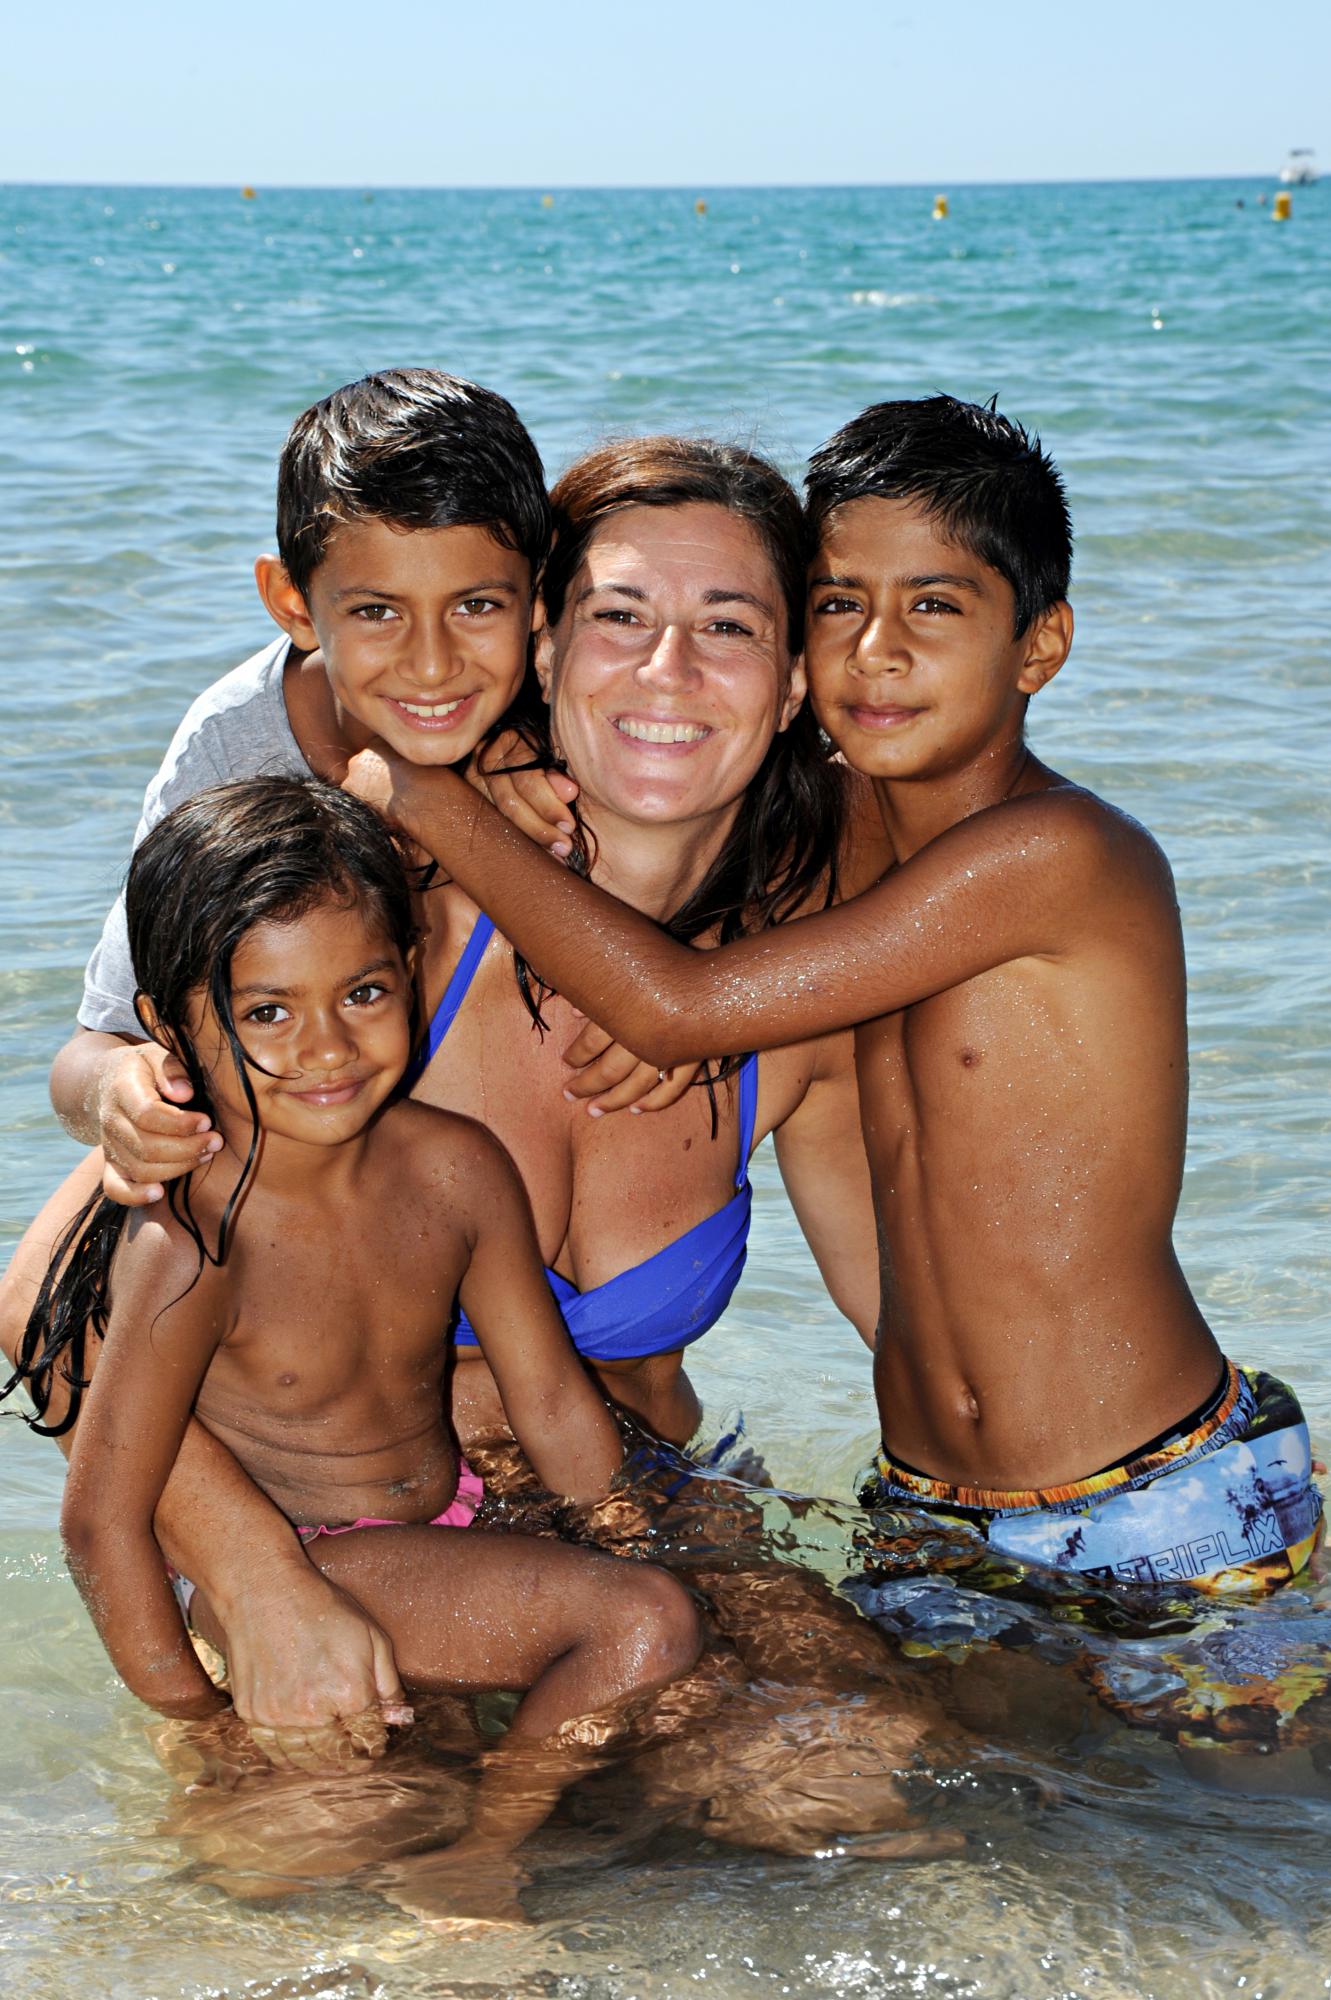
point(441, 1149)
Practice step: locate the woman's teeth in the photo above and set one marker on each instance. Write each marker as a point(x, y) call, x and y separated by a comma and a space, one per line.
point(662, 732)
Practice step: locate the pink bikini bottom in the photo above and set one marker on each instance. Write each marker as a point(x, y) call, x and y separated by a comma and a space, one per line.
point(458, 1514)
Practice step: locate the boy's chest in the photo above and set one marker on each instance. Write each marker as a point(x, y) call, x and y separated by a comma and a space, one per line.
point(993, 1051)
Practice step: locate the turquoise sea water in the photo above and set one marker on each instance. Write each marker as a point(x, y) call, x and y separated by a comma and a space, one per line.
point(1170, 343)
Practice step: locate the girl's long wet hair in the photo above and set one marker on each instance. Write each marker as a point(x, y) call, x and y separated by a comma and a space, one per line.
point(266, 851)
point(781, 853)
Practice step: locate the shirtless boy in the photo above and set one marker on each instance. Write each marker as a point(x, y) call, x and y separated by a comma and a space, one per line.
point(1042, 1370)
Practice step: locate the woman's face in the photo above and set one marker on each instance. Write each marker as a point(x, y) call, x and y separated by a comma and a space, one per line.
point(668, 674)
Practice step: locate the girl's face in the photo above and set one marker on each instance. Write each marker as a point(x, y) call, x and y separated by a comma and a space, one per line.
point(323, 1006)
point(669, 674)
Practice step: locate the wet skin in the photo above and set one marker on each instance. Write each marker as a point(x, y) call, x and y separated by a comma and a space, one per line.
point(314, 1353)
point(668, 675)
point(1019, 976)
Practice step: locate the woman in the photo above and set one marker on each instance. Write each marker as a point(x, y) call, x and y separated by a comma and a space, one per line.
point(669, 650)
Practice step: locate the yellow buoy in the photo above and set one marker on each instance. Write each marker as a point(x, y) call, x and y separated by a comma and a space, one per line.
point(1282, 207)
point(547, 201)
point(940, 207)
point(700, 206)
point(247, 194)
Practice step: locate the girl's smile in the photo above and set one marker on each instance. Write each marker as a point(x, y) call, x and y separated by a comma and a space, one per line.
point(322, 1008)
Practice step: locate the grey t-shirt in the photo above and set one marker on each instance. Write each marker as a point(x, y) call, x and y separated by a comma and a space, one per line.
point(238, 728)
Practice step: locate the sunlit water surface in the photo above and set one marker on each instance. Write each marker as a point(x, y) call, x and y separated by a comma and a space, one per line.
point(1170, 343)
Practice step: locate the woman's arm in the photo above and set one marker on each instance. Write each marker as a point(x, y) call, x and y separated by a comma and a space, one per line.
point(820, 1151)
point(555, 1411)
point(1017, 880)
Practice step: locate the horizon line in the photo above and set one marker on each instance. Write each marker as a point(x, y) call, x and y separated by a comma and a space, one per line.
point(638, 187)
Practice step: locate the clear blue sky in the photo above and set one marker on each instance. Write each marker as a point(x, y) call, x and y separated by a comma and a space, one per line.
point(674, 92)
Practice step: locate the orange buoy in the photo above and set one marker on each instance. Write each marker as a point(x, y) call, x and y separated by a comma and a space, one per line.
point(700, 206)
point(1282, 207)
point(247, 194)
point(940, 208)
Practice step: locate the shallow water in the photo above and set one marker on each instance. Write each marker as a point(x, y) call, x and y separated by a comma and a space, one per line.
point(1171, 347)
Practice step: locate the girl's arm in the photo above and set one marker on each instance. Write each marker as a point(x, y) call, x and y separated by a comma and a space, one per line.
point(300, 1653)
point(555, 1411)
point(163, 1332)
point(1020, 879)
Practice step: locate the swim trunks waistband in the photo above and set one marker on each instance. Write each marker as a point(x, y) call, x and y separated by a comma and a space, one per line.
point(1201, 1431)
point(1228, 1504)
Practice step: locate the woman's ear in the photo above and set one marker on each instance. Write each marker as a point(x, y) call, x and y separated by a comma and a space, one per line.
point(543, 646)
point(797, 687)
point(1047, 646)
point(285, 604)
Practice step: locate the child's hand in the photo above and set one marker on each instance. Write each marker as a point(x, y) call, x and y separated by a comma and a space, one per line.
point(146, 1134)
point(617, 1080)
point(305, 1663)
point(536, 801)
point(217, 1752)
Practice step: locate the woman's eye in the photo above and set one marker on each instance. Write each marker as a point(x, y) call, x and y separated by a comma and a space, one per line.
point(365, 996)
point(730, 628)
point(267, 1014)
point(616, 615)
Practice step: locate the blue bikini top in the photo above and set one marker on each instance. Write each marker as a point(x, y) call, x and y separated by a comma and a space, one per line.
point(669, 1299)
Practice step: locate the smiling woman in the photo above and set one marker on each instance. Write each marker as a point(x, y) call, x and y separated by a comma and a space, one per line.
point(668, 649)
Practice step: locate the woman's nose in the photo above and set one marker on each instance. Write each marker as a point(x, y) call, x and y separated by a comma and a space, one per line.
point(671, 665)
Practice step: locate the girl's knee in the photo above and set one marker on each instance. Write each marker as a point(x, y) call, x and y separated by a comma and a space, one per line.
point(667, 1632)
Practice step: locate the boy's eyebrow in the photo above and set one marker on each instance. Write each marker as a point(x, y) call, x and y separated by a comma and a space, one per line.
point(286, 992)
point(393, 596)
point(956, 581)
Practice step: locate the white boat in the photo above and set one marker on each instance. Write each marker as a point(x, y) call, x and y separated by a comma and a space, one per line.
point(1300, 169)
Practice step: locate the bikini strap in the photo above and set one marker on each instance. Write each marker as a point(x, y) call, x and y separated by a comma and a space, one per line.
point(748, 1115)
point(453, 996)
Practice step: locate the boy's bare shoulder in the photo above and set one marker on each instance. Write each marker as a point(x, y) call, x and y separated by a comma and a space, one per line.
point(1083, 833)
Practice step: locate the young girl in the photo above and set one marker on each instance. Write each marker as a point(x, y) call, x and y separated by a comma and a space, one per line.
point(297, 1294)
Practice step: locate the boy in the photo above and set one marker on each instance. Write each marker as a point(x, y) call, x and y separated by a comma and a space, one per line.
point(412, 524)
point(1042, 1371)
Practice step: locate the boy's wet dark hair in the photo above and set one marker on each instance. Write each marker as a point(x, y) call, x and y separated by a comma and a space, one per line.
point(984, 479)
point(418, 449)
point(267, 850)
